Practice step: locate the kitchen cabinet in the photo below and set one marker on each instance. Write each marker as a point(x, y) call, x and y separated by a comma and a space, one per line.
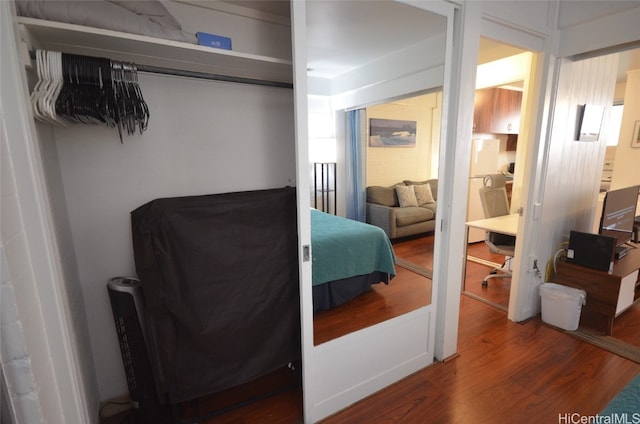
point(497, 111)
point(512, 142)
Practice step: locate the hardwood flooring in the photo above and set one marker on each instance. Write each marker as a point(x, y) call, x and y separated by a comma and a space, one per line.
point(419, 251)
point(408, 291)
point(405, 293)
point(626, 327)
point(504, 371)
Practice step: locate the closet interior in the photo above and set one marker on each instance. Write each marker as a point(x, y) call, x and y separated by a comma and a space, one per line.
point(208, 121)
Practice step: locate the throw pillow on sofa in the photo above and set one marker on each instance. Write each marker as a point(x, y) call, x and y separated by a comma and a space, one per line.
point(406, 196)
point(423, 194)
point(385, 196)
point(433, 184)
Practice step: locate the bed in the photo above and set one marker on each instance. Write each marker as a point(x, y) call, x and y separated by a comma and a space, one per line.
point(348, 257)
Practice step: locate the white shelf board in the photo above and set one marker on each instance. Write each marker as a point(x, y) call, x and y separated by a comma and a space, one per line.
point(151, 51)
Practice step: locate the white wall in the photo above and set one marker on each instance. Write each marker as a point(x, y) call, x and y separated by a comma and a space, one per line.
point(15, 358)
point(534, 15)
point(259, 34)
point(196, 144)
point(511, 69)
point(40, 331)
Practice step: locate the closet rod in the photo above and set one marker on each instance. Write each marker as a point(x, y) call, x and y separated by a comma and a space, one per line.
point(216, 77)
point(203, 75)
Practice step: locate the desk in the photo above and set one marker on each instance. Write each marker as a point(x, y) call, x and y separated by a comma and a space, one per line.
point(506, 224)
point(608, 293)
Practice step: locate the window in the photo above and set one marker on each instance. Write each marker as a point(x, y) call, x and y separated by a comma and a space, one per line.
point(614, 129)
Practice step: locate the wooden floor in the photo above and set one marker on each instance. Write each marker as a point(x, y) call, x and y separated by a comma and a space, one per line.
point(419, 251)
point(409, 290)
point(504, 372)
point(405, 293)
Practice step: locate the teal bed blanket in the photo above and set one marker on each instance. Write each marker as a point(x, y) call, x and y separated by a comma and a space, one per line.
point(625, 404)
point(343, 248)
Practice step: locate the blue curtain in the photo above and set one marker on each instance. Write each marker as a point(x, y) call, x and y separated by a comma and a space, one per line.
point(356, 196)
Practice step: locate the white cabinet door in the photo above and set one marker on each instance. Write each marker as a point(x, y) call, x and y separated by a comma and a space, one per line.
point(627, 291)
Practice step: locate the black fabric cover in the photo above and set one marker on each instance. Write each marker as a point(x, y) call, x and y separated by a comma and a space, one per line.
point(220, 279)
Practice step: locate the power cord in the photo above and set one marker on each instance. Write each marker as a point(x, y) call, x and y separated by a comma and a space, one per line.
point(125, 419)
point(551, 264)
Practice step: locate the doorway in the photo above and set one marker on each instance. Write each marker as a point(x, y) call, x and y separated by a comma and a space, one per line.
point(498, 148)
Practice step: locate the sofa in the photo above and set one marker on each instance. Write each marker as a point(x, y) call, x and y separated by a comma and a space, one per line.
point(403, 209)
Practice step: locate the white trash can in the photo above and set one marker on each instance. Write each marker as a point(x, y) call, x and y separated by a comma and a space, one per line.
point(561, 305)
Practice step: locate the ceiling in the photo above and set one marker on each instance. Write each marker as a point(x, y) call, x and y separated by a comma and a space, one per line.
point(492, 50)
point(629, 59)
point(344, 34)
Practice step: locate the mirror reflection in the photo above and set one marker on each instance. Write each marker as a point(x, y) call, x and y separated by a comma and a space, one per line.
point(374, 152)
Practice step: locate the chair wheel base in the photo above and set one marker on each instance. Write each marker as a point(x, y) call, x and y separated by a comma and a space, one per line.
point(485, 284)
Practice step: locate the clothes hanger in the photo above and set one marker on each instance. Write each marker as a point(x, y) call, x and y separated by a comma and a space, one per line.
point(39, 86)
point(58, 83)
point(46, 87)
point(47, 103)
point(143, 117)
point(81, 89)
point(40, 98)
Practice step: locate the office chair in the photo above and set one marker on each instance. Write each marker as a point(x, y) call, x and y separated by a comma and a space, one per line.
point(493, 196)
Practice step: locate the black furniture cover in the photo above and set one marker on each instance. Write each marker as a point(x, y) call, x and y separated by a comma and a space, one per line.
point(220, 278)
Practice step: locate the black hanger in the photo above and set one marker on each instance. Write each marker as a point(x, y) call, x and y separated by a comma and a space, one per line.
point(99, 90)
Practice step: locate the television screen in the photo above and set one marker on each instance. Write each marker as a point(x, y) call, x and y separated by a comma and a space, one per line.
point(618, 214)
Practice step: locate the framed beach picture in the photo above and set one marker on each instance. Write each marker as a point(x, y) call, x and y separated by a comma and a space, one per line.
point(635, 142)
point(392, 133)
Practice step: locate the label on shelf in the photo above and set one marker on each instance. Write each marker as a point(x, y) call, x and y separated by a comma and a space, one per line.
point(213, 40)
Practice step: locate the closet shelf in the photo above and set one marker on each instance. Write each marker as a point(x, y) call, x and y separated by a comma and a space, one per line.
point(151, 51)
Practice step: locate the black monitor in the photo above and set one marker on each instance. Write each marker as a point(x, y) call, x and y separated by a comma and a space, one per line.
point(618, 214)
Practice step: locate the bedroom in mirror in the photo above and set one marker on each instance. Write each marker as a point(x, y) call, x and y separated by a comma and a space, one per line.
point(382, 259)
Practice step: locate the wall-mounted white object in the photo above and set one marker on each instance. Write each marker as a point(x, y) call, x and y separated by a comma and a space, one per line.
point(590, 122)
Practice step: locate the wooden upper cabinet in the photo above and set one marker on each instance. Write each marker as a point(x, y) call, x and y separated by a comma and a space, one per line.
point(482, 108)
point(497, 110)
